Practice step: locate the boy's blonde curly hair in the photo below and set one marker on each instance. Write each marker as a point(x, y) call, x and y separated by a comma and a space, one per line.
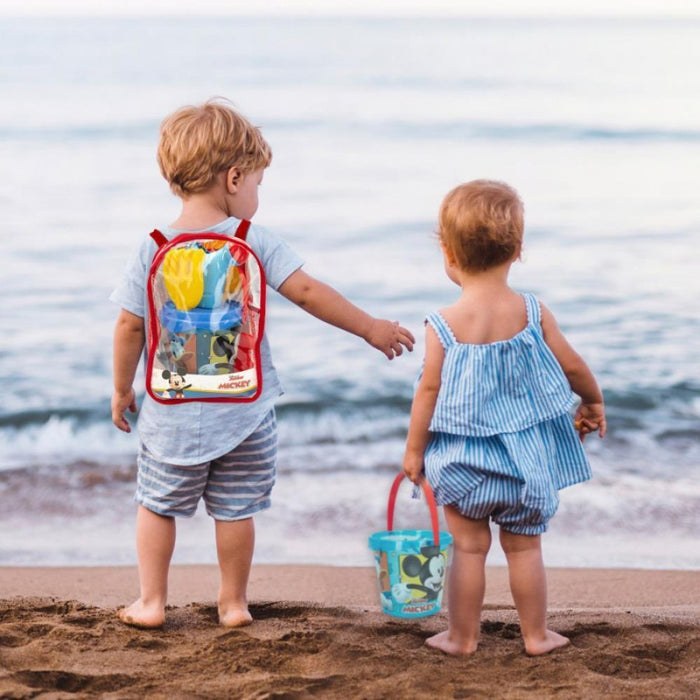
point(199, 142)
point(481, 224)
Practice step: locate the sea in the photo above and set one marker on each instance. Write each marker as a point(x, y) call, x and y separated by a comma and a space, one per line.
point(596, 122)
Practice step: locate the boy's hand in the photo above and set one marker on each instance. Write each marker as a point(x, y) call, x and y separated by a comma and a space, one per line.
point(589, 418)
point(120, 403)
point(413, 467)
point(388, 337)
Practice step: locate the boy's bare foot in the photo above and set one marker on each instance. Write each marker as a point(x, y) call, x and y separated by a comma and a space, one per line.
point(551, 641)
point(234, 615)
point(143, 616)
point(442, 642)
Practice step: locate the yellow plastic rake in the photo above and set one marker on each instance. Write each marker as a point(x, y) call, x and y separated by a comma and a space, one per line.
point(183, 276)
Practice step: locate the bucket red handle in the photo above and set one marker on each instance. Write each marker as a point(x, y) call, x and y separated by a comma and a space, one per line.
point(428, 497)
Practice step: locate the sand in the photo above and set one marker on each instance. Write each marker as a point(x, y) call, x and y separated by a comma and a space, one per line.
point(318, 632)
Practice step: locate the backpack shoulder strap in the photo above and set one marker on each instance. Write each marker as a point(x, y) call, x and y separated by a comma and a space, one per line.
point(242, 230)
point(158, 237)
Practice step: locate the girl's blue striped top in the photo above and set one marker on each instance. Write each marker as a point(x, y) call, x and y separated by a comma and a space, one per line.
point(503, 409)
point(500, 387)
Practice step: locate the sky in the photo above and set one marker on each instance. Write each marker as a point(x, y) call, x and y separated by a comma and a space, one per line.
point(605, 8)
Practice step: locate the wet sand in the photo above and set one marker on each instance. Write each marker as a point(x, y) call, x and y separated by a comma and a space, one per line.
point(318, 632)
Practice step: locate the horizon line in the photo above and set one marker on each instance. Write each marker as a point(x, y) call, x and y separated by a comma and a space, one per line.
point(300, 14)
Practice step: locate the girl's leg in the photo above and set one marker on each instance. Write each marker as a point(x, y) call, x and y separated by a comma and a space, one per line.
point(234, 546)
point(528, 584)
point(466, 584)
point(155, 541)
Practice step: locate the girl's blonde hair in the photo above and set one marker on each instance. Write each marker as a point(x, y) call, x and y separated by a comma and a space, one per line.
point(199, 142)
point(481, 224)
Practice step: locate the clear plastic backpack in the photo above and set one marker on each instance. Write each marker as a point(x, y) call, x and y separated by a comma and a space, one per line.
point(206, 299)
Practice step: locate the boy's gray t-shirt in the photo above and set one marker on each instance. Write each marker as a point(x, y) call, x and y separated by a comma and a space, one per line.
point(194, 432)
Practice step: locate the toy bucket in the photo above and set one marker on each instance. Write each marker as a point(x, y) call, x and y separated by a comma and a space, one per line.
point(411, 564)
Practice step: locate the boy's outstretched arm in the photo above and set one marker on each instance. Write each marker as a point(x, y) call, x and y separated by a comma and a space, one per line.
point(129, 339)
point(590, 415)
point(325, 303)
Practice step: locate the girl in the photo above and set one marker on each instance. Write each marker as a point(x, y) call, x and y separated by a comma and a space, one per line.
point(490, 422)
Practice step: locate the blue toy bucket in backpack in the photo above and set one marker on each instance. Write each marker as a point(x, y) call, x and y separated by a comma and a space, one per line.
point(411, 564)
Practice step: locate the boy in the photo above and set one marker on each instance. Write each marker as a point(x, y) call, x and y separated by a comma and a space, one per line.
point(214, 159)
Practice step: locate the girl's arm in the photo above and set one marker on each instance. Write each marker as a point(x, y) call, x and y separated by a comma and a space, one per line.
point(129, 338)
point(423, 407)
point(325, 303)
point(590, 415)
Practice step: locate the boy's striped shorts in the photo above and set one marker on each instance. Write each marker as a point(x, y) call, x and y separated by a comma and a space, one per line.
point(233, 486)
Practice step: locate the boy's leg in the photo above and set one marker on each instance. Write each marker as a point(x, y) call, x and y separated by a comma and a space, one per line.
point(239, 486)
point(171, 490)
point(528, 584)
point(466, 584)
point(234, 546)
point(155, 541)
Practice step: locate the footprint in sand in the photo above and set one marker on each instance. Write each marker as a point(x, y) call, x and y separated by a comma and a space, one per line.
point(72, 682)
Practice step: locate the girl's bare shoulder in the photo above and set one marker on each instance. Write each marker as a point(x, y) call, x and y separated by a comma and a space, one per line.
point(483, 319)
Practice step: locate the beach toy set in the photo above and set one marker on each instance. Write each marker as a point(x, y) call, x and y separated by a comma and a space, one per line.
point(411, 564)
point(206, 298)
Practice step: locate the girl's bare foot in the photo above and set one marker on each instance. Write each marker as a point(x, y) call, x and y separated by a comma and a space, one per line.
point(551, 641)
point(442, 642)
point(144, 616)
point(234, 615)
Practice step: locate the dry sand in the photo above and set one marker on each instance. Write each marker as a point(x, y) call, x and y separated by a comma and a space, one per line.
point(318, 632)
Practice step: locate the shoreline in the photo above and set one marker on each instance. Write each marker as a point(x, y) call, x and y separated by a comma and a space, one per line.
point(355, 586)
